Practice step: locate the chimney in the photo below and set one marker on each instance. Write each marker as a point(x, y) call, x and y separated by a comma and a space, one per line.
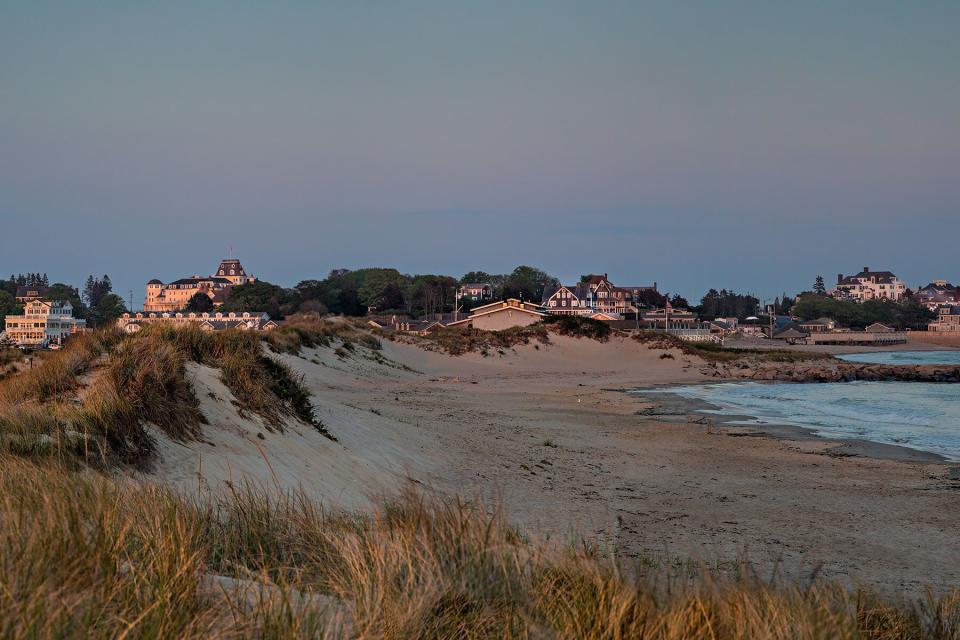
point(839, 278)
point(866, 269)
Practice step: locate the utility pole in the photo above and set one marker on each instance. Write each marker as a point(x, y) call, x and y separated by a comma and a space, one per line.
point(771, 311)
point(666, 311)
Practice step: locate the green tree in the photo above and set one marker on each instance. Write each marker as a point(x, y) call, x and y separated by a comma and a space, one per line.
point(373, 284)
point(818, 287)
point(476, 276)
point(528, 283)
point(200, 303)
point(260, 296)
point(8, 306)
point(108, 309)
point(95, 289)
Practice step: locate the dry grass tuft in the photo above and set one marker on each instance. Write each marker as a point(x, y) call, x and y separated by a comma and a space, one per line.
point(85, 555)
point(93, 399)
point(307, 331)
point(715, 353)
point(458, 341)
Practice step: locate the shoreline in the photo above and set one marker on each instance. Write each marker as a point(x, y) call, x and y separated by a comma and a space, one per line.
point(679, 407)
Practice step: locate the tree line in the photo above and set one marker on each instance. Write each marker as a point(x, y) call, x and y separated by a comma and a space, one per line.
point(858, 315)
point(383, 291)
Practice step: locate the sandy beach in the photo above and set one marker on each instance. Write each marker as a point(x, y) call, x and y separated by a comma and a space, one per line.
point(549, 432)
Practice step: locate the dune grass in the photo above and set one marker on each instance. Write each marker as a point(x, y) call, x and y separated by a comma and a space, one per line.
point(86, 555)
point(715, 353)
point(307, 331)
point(579, 327)
point(458, 341)
point(92, 400)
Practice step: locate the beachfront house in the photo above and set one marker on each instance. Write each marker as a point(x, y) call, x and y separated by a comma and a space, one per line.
point(669, 319)
point(497, 316)
point(948, 320)
point(44, 323)
point(869, 285)
point(594, 294)
point(819, 325)
point(937, 294)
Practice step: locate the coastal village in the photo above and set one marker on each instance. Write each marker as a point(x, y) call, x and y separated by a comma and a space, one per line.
point(45, 321)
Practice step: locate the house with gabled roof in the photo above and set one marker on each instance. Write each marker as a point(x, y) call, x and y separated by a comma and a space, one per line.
point(818, 325)
point(28, 293)
point(594, 294)
point(948, 319)
point(43, 323)
point(498, 316)
point(476, 291)
point(869, 285)
point(937, 294)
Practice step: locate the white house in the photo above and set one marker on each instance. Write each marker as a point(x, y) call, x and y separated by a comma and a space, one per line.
point(869, 285)
point(43, 323)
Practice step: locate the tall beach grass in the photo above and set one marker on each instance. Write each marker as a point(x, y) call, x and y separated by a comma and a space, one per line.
point(87, 555)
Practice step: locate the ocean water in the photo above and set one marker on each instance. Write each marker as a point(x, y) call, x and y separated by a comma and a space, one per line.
point(904, 357)
point(924, 416)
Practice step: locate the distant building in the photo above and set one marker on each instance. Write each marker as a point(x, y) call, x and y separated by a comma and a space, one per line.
point(869, 285)
point(947, 320)
point(406, 324)
point(669, 319)
point(722, 326)
point(232, 270)
point(28, 293)
point(172, 297)
point(476, 291)
point(820, 325)
point(596, 294)
point(43, 323)
point(246, 321)
point(937, 294)
point(497, 316)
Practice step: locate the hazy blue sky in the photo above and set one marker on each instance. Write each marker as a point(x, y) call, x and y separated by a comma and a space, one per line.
point(750, 145)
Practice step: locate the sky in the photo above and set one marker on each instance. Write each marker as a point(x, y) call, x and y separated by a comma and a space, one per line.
point(746, 145)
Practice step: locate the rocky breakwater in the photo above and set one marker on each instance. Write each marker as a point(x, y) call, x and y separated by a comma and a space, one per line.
point(835, 371)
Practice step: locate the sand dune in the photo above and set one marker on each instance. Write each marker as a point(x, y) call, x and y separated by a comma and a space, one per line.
point(546, 430)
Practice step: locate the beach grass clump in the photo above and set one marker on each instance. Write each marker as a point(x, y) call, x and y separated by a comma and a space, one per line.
point(260, 384)
point(55, 373)
point(8, 357)
point(93, 400)
point(309, 331)
point(458, 341)
point(89, 555)
point(716, 353)
point(579, 327)
point(127, 382)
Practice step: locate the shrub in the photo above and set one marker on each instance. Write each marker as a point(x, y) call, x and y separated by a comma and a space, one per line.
point(579, 327)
